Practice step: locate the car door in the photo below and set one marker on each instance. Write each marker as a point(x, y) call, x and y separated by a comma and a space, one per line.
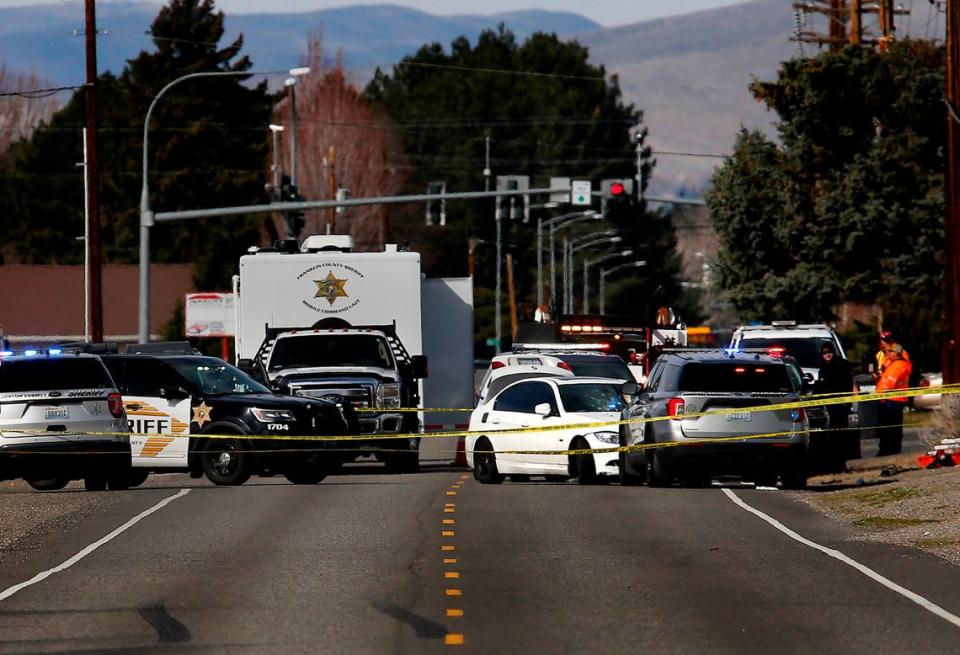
point(553, 441)
point(156, 419)
point(508, 413)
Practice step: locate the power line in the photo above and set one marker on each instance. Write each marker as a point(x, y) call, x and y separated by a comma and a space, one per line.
point(40, 93)
point(502, 71)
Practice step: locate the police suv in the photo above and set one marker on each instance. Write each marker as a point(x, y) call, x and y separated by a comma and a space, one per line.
point(61, 419)
point(189, 412)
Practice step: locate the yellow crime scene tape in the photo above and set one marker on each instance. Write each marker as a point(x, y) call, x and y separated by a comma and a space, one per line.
point(827, 399)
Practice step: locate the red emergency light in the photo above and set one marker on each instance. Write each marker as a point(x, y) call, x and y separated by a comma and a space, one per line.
point(617, 189)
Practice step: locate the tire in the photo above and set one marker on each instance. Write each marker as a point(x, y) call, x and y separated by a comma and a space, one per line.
point(765, 479)
point(305, 475)
point(95, 482)
point(628, 477)
point(403, 462)
point(47, 484)
point(656, 476)
point(485, 464)
point(225, 462)
point(794, 477)
point(582, 467)
point(138, 477)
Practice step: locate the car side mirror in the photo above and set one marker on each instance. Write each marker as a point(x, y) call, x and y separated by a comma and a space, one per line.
point(808, 378)
point(629, 389)
point(543, 409)
point(419, 367)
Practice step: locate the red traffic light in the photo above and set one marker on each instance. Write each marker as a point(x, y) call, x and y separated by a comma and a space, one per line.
point(617, 189)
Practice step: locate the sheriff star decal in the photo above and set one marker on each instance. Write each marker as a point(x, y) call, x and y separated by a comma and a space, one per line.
point(201, 414)
point(331, 288)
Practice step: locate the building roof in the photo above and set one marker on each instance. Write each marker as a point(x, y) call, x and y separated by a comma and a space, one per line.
point(47, 301)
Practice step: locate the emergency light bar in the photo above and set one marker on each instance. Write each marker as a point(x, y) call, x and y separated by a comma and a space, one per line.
point(564, 347)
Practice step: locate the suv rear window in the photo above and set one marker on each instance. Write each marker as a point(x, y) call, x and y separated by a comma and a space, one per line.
point(805, 350)
point(53, 374)
point(507, 380)
point(734, 376)
point(599, 367)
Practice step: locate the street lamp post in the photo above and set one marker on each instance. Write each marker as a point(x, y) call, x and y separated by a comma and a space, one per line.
point(581, 244)
point(146, 214)
point(604, 272)
point(276, 131)
point(540, 221)
point(587, 264)
point(553, 225)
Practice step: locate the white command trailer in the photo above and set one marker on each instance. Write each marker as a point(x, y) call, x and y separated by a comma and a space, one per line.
point(324, 320)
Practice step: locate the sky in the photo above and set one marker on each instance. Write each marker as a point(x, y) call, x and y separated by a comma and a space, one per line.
point(606, 12)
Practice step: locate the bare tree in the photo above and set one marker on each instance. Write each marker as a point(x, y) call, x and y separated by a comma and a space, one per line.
point(333, 114)
point(20, 114)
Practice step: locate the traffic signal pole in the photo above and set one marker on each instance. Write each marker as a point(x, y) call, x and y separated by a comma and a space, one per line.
point(92, 171)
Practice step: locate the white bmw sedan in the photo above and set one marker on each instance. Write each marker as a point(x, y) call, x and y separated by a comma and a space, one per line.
point(546, 403)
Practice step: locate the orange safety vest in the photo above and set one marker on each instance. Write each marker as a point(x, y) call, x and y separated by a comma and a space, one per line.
point(882, 358)
point(895, 376)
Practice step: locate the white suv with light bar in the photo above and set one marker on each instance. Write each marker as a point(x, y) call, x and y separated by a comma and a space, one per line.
point(61, 419)
point(802, 342)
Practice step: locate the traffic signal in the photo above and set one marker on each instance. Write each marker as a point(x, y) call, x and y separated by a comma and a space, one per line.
point(616, 199)
point(436, 209)
point(515, 207)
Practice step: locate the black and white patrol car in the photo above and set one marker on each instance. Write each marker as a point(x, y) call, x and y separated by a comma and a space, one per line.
point(61, 419)
point(200, 414)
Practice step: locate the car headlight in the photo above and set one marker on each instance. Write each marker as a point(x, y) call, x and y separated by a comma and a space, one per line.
point(388, 395)
point(608, 437)
point(272, 415)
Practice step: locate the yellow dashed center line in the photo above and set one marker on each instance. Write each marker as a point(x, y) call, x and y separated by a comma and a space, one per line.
point(448, 522)
point(448, 548)
point(449, 560)
point(452, 575)
point(453, 639)
point(454, 592)
point(451, 493)
point(448, 533)
point(454, 612)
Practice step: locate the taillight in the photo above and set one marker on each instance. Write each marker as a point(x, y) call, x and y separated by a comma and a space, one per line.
point(798, 415)
point(115, 403)
point(495, 365)
point(776, 351)
point(675, 407)
point(924, 383)
point(565, 366)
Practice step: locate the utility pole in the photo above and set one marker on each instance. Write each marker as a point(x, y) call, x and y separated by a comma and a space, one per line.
point(951, 344)
point(846, 22)
point(95, 309)
point(512, 295)
point(331, 188)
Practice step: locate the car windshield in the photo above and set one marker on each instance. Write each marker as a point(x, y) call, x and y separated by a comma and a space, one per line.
point(53, 374)
point(736, 377)
point(599, 367)
point(321, 350)
point(214, 377)
point(805, 350)
point(591, 397)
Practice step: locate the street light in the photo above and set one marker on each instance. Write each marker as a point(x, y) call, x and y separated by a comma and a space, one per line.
point(587, 263)
point(552, 225)
point(276, 131)
point(546, 205)
point(291, 83)
point(574, 247)
point(604, 272)
point(146, 214)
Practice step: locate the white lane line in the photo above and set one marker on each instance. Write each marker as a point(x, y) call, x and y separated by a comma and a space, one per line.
point(836, 554)
point(40, 577)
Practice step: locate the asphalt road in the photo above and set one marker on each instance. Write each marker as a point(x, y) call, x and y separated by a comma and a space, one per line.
point(375, 563)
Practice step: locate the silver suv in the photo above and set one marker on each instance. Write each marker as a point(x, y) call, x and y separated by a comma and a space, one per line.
point(683, 385)
point(61, 419)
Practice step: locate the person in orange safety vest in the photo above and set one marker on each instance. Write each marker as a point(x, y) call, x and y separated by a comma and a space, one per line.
point(895, 375)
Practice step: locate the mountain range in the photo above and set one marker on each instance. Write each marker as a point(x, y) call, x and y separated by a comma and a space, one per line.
point(688, 73)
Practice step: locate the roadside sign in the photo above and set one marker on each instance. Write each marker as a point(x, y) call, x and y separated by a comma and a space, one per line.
point(492, 342)
point(209, 314)
point(581, 193)
point(560, 183)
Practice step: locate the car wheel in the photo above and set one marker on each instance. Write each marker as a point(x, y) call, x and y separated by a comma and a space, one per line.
point(485, 464)
point(95, 482)
point(138, 477)
point(47, 484)
point(225, 462)
point(403, 462)
point(582, 467)
point(305, 475)
point(765, 479)
point(656, 476)
point(628, 477)
point(794, 477)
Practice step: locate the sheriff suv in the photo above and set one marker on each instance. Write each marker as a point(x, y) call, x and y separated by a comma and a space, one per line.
point(61, 419)
point(199, 414)
point(710, 418)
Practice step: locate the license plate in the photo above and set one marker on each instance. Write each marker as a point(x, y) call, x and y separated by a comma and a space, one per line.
point(740, 417)
point(529, 361)
point(53, 413)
